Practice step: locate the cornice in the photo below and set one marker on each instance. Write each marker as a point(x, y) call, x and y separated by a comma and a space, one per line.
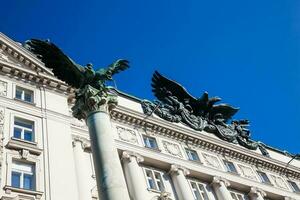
point(173, 131)
point(18, 52)
point(36, 71)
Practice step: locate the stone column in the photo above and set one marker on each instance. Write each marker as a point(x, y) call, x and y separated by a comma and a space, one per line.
point(181, 184)
point(256, 194)
point(134, 175)
point(95, 105)
point(81, 168)
point(220, 185)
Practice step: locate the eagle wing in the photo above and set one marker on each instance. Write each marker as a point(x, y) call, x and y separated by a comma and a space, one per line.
point(114, 68)
point(63, 67)
point(162, 87)
point(226, 110)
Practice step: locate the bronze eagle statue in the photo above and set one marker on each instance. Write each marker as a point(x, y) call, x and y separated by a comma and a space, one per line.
point(67, 70)
point(204, 106)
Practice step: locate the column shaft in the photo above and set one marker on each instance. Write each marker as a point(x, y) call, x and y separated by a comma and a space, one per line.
point(110, 179)
point(134, 175)
point(81, 171)
point(256, 194)
point(220, 187)
point(181, 184)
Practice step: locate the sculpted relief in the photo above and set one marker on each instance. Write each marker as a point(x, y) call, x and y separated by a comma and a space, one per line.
point(172, 148)
point(3, 88)
point(211, 161)
point(127, 135)
point(247, 172)
point(175, 104)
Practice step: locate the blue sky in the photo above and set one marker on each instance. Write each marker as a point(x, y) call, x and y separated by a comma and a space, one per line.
point(247, 52)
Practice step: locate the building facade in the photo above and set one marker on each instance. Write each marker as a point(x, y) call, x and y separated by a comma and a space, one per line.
point(45, 153)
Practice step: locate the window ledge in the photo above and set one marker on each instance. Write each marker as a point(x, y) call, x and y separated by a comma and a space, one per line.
point(26, 102)
point(153, 149)
point(15, 143)
point(10, 189)
point(233, 173)
point(196, 161)
point(155, 191)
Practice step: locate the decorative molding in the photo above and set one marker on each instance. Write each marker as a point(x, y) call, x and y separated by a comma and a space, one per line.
point(32, 69)
point(165, 196)
point(217, 180)
point(279, 182)
point(78, 123)
point(24, 154)
point(129, 155)
point(255, 192)
point(172, 148)
point(127, 135)
point(176, 168)
point(36, 194)
point(3, 88)
point(83, 142)
point(160, 127)
point(247, 172)
point(21, 145)
point(211, 160)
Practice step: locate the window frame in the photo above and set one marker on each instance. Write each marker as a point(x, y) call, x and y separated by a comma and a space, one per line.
point(261, 179)
point(22, 174)
point(228, 168)
point(156, 187)
point(292, 184)
point(203, 193)
point(23, 129)
point(238, 195)
point(146, 144)
point(23, 91)
point(188, 153)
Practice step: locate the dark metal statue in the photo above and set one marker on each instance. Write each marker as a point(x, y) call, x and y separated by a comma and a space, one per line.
point(90, 84)
point(175, 104)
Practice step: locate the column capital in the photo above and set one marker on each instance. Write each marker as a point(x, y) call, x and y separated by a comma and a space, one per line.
point(85, 143)
point(176, 168)
point(217, 180)
point(254, 191)
point(129, 155)
point(90, 100)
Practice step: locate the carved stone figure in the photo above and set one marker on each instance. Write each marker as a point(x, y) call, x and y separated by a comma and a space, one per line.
point(175, 104)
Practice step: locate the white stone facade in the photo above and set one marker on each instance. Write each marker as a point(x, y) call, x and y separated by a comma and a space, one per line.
point(45, 153)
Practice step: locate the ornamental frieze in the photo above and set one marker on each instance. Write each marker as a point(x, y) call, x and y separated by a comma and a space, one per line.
point(211, 161)
point(172, 148)
point(127, 135)
point(3, 88)
point(175, 104)
point(247, 172)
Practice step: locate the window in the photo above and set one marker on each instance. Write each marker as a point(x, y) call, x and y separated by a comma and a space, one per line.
point(24, 94)
point(294, 186)
point(263, 177)
point(192, 155)
point(150, 142)
point(199, 190)
point(238, 196)
point(154, 180)
point(230, 166)
point(23, 129)
point(23, 175)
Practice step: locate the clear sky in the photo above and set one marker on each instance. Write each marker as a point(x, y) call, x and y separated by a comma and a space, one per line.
point(247, 52)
